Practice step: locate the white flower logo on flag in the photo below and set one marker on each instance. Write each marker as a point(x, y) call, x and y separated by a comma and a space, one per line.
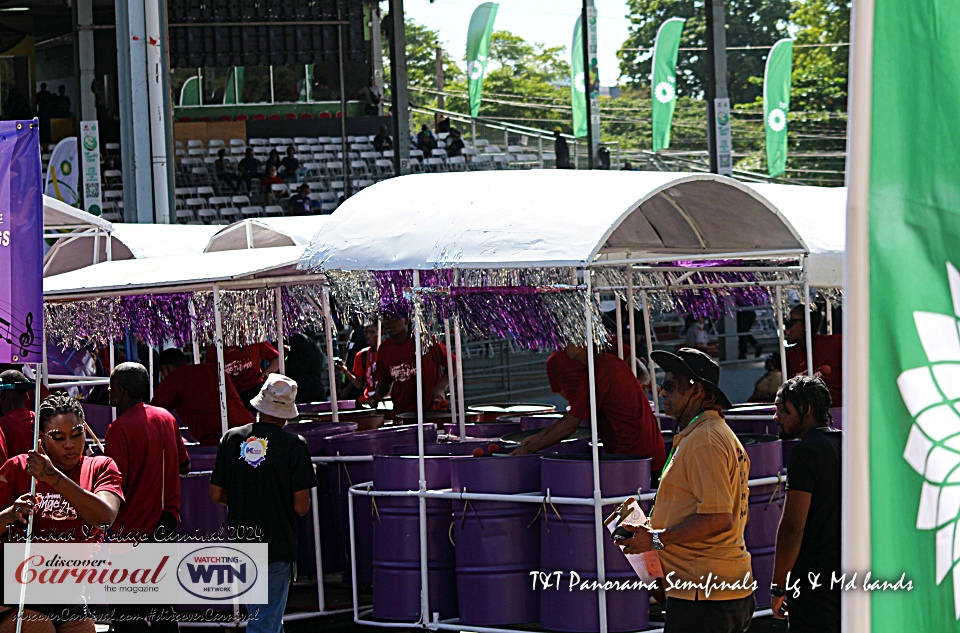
point(665, 92)
point(932, 395)
point(777, 120)
point(578, 82)
point(475, 70)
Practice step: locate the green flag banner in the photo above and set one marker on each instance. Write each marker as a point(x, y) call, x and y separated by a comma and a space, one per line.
point(578, 94)
point(776, 104)
point(478, 44)
point(233, 93)
point(664, 80)
point(903, 444)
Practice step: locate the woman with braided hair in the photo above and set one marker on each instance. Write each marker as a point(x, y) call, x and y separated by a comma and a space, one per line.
point(77, 497)
point(808, 539)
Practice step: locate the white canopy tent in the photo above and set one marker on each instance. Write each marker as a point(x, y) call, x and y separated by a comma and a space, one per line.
point(60, 215)
point(543, 218)
point(127, 241)
point(267, 233)
point(819, 216)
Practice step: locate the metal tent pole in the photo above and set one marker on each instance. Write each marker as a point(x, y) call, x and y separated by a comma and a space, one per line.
point(778, 309)
point(279, 298)
point(39, 372)
point(597, 496)
point(829, 309)
point(453, 388)
point(808, 335)
point(218, 342)
point(461, 405)
point(195, 341)
point(631, 321)
point(424, 570)
point(619, 318)
point(648, 331)
point(331, 371)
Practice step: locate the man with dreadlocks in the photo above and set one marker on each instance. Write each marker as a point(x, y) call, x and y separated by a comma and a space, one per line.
point(808, 540)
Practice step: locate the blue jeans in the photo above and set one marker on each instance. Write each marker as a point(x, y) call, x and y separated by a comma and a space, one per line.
point(269, 618)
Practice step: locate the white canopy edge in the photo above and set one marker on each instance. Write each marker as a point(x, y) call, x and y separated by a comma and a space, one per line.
point(819, 215)
point(60, 215)
point(547, 218)
point(128, 241)
point(267, 233)
point(164, 275)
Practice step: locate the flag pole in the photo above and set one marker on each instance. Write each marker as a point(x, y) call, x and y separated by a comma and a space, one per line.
point(856, 525)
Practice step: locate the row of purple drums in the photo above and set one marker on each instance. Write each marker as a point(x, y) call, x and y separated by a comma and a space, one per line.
point(484, 551)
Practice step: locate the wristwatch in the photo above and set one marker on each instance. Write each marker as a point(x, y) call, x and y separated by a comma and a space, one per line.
point(657, 543)
point(777, 592)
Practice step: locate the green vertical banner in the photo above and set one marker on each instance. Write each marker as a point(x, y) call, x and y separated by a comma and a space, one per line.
point(233, 93)
point(776, 104)
point(903, 444)
point(663, 83)
point(478, 45)
point(578, 92)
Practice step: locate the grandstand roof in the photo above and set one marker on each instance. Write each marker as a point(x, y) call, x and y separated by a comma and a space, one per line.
point(541, 218)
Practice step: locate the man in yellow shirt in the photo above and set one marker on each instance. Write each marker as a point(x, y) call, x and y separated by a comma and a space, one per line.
point(701, 506)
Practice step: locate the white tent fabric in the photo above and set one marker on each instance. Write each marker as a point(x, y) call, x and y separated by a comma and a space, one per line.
point(128, 241)
point(167, 274)
point(819, 215)
point(539, 218)
point(267, 233)
point(60, 215)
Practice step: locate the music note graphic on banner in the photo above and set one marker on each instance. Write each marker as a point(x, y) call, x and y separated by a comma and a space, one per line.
point(27, 337)
point(5, 330)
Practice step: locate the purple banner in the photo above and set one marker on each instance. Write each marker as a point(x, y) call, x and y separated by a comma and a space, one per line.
point(21, 243)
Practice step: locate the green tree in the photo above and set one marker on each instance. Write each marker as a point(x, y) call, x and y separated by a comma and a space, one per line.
point(422, 45)
point(820, 73)
point(748, 22)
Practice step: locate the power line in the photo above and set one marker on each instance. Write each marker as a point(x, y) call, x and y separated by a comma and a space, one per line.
point(750, 48)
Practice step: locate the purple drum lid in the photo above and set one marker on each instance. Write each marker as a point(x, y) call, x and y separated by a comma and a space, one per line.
point(322, 407)
point(765, 452)
point(507, 408)
point(496, 476)
point(400, 472)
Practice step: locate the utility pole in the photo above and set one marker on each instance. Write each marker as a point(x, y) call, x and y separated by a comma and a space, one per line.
point(591, 80)
point(719, 141)
point(398, 89)
point(439, 71)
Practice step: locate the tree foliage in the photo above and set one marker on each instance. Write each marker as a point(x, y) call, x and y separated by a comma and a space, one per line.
point(422, 45)
point(748, 23)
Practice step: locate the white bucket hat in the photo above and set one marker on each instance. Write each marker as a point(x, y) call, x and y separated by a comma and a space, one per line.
point(277, 397)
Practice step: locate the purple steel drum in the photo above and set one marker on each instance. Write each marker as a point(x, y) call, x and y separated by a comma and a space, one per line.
point(577, 443)
point(322, 407)
point(342, 475)
point(437, 417)
point(331, 542)
point(497, 543)
point(766, 507)
point(567, 544)
point(837, 414)
point(539, 421)
point(490, 412)
point(396, 541)
point(445, 448)
point(483, 429)
point(199, 515)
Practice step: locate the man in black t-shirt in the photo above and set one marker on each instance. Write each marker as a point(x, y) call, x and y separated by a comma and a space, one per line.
point(808, 539)
point(263, 475)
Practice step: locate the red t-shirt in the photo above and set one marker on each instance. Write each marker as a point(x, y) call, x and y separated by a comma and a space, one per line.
point(194, 392)
point(242, 364)
point(364, 366)
point(565, 375)
point(827, 350)
point(399, 364)
point(145, 443)
point(55, 516)
point(17, 428)
point(625, 422)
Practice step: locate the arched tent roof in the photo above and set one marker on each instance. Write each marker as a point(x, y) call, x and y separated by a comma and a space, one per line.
point(60, 215)
point(128, 241)
point(819, 215)
point(541, 218)
point(267, 233)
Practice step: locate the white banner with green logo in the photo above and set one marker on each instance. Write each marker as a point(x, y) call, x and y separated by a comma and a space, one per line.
point(478, 45)
point(776, 104)
point(90, 163)
point(663, 82)
point(63, 172)
point(578, 94)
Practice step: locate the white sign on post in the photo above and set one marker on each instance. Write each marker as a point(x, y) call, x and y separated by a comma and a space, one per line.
point(721, 108)
point(90, 167)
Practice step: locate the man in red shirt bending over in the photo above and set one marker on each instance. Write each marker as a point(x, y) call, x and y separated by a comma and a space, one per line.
point(244, 366)
point(145, 443)
point(193, 391)
point(16, 420)
point(397, 368)
point(625, 423)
